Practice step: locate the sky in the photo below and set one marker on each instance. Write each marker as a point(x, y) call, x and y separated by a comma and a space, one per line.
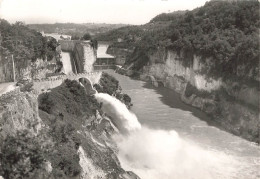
point(91, 11)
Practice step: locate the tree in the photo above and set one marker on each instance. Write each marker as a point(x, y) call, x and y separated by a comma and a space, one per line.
point(21, 156)
point(86, 36)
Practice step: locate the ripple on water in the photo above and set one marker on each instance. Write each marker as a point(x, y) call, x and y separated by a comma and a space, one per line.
point(229, 156)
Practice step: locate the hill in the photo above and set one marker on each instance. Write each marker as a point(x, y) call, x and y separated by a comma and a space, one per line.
point(226, 31)
point(75, 29)
point(209, 55)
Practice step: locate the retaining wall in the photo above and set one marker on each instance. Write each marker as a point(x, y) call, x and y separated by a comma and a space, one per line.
point(40, 86)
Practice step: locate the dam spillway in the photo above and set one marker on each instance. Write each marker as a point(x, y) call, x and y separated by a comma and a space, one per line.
point(78, 56)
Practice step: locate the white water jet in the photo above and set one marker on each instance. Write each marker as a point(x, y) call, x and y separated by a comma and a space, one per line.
point(120, 116)
point(154, 154)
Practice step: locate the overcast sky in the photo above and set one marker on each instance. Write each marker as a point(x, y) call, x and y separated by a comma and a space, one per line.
point(84, 11)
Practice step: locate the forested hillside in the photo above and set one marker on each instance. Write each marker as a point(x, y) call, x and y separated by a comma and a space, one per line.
point(24, 43)
point(226, 31)
point(75, 30)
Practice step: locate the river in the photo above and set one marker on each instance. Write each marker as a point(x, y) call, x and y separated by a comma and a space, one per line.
point(205, 150)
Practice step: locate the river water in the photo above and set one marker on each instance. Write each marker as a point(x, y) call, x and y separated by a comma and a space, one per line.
point(204, 151)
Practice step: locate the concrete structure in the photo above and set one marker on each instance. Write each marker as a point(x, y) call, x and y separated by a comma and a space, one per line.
point(82, 52)
point(40, 86)
point(104, 60)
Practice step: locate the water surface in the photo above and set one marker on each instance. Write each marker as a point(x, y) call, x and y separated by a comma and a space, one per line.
point(161, 108)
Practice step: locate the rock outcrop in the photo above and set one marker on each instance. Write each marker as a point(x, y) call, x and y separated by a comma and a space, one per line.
point(19, 111)
point(231, 102)
point(61, 133)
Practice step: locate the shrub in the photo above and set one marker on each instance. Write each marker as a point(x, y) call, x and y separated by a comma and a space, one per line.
point(20, 156)
point(190, 89)
point(45, 103)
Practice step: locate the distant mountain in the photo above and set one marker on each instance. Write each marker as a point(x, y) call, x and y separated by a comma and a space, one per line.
point(74, 29)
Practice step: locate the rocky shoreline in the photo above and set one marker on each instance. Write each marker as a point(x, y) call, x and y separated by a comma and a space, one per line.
point(231, 114)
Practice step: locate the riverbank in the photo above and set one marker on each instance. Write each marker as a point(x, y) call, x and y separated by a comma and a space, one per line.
point(162, 111)
point(64, 134)
point(232, 115)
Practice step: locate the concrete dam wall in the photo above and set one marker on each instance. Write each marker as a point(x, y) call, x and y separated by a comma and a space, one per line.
point(84, 54)
point(68, 45)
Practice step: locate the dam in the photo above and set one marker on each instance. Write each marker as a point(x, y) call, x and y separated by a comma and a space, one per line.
point(77, 56)
point(81, 56)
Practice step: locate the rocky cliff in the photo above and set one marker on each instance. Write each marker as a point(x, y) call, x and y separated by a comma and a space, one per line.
point(6, 69)
point(25, 53)
point(231, 102)
point(210, 55)
point(21, 67)
point(19, 111)
point(59, 134)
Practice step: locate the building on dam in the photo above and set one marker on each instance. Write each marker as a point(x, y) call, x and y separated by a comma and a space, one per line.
point(104, 60)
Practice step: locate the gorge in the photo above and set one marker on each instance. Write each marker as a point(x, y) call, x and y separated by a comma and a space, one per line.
point(179, 141)
point(182, 102)
point(231, 103)
point(208, 55)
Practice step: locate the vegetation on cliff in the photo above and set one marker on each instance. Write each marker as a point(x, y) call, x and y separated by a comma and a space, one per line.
point(24, 43)
point(110, 85)
point(71, 119)
point(21, 156)
point(65, 109)
point(225, 31)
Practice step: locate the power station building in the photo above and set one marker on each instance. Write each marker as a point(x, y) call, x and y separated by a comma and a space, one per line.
point(104, 60)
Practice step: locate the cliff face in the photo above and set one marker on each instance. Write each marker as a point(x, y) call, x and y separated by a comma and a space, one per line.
point(22, 137)
point(18, 111)
point(6, 70)
point(233, 103)
point(25, 69)
point(166, 65)
point(21, 68)
point(20, 47)
point(62, 134)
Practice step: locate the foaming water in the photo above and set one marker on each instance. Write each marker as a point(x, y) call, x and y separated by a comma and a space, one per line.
point(184, 146)
point(121, 117)
point(154, 154)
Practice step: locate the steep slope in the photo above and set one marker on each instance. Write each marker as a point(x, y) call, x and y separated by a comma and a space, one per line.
point(68, 137)
point(25, 53)
point(210, 55)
